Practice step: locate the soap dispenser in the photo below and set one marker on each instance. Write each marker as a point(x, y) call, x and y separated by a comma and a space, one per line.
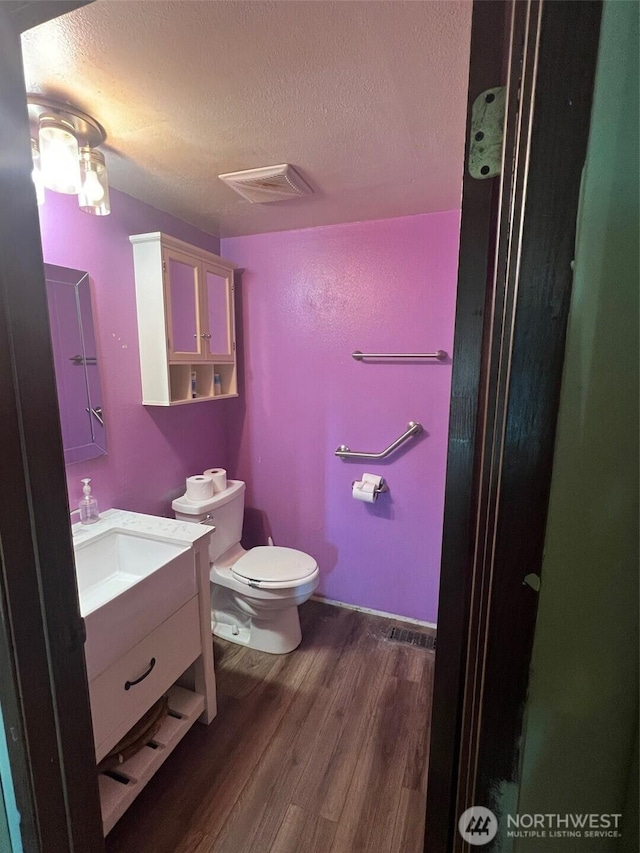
point(88, 504)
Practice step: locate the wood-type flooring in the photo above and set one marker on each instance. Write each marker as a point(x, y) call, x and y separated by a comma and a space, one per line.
point(323, 750)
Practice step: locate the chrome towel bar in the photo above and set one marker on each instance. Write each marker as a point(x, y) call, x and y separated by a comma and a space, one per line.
point(413, 428)
point(440, 355)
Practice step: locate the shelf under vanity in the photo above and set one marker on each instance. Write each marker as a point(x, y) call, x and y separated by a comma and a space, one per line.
point(119, 787)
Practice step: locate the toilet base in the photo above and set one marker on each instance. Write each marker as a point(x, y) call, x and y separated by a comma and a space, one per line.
point(277, 634)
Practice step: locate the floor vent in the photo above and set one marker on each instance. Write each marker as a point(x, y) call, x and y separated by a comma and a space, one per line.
point(117, 777)
point(412, 638)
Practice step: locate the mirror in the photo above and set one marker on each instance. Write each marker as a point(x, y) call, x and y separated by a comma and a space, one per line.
point(76, 364)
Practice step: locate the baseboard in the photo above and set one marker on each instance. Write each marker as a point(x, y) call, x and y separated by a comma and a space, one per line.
point(324, 600)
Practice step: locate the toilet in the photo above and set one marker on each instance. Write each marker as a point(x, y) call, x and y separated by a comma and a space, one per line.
point(254, 594)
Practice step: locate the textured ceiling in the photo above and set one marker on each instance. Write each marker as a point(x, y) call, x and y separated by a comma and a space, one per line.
point(366, 99)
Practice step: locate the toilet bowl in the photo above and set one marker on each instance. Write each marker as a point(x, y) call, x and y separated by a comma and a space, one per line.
point(255, 594)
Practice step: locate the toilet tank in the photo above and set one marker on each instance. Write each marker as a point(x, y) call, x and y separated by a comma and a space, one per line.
point(225, 511)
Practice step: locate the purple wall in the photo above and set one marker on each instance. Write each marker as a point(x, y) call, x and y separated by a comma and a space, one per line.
point(308, 299)
point(150, 451)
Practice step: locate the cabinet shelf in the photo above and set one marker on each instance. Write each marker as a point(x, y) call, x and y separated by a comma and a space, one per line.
point(186, 322)
point(195, 400)
point(190, 383)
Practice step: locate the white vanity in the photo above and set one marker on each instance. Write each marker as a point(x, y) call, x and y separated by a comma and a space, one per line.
point(143, 584)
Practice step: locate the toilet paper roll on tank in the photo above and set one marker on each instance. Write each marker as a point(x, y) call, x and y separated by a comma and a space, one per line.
point(368, 488)
point(199, 487)
point(203, 486)
point(219, 476)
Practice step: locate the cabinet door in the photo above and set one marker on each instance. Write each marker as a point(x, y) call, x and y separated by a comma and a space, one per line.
point(185, 335)
point(218, 311)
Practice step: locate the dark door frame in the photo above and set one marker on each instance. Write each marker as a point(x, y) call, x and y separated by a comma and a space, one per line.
point(514, 288)
point(43, 683)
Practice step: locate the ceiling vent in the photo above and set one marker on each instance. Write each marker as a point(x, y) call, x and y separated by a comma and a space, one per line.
point(271, 183)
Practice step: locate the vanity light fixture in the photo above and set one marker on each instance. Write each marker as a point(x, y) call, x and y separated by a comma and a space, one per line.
point(36, 174)
point(66, 159)
point(94, 186)
point(58, 155)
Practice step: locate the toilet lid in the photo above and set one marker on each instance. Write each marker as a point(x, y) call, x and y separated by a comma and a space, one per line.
point(271, 563)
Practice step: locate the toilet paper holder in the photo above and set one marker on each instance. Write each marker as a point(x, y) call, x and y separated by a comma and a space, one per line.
point(377, 490)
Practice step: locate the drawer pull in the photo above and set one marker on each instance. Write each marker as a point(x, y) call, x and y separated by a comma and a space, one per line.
point(129, 684)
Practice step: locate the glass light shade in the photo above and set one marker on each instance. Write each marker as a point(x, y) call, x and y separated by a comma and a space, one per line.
point(36, 174)
point(58, 156)
point(93, 196)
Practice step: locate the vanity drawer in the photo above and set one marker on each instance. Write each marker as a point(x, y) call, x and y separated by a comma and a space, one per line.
point(122, 693)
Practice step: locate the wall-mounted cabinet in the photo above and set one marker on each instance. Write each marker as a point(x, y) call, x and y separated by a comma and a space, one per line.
point(186, 323)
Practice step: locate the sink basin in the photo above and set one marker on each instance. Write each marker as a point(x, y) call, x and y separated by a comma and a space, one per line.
point(109, 565)
point(128, 584)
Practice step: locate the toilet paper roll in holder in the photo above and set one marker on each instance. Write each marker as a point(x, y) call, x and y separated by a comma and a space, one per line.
point(377, 490)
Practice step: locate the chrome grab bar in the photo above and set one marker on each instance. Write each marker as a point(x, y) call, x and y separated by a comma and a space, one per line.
point(440, 355)
point(97, 413)
point(413, 428)
point(80, 359)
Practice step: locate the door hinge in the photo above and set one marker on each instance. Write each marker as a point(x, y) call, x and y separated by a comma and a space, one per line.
point(532, 580)
point(487, 133)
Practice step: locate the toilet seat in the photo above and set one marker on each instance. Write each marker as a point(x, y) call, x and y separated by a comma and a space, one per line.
point(273, 567)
